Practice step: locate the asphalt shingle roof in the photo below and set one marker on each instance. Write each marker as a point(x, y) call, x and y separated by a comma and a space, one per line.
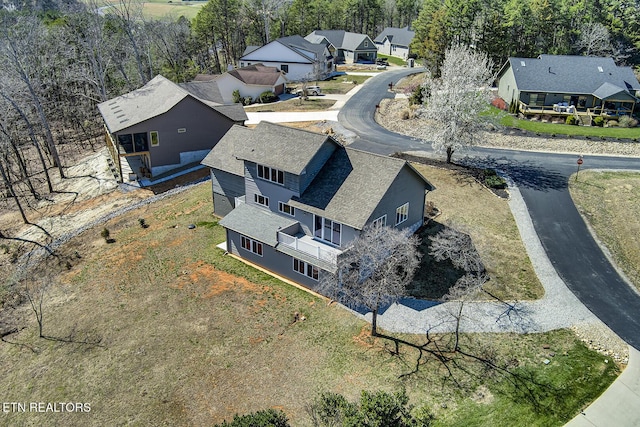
point(571, 74)
point(281, 147)
point(223, 155)
point(398, 36)
point(340, 39)
point(350, 186)
point(257, 223)
point(157, 97)
point(257, 74)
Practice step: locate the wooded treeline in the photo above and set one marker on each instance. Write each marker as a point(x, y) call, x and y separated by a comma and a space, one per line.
point(59, 58)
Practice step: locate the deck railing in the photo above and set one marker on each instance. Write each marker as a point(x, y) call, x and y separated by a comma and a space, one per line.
point(310, 247)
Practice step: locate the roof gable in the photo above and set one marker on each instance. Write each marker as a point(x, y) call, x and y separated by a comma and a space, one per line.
point(341, 39)
point(569, 74)
point(258, 74)
point(397, 36)
point(286, 49)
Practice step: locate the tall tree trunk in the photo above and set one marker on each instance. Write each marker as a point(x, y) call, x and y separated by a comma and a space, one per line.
point(9, 185)
point(374, 323)
point(20, 161)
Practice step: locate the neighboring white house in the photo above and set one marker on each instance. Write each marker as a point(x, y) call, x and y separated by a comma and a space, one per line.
point(251, 81)
point(395, 42)
point(294, 55)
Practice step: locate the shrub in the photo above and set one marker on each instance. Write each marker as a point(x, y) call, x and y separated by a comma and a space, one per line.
point(105, 234)
point(267, 97)
point(492, 180)
point(598, 121)
point(143, 223)
point(236, 97)
point(247, 100)
point(612, 124)
point(417, 95)
point(405, 114)
point(627, 122)
point(571, 120)
point(499, 103)
point(267, 418)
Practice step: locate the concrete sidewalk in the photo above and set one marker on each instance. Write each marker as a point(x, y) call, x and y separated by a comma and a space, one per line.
point(619, 405)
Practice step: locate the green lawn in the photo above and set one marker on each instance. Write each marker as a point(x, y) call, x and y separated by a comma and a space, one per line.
point(561, 129)
point(393, 60)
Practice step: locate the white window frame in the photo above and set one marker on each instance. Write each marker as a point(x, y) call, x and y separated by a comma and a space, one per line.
point(380, 222)
point(283, 207)
point(323, 227)
point(270, 174)
point(402, 213)
point(260, 199)
point(251, 245)
point(306, 269)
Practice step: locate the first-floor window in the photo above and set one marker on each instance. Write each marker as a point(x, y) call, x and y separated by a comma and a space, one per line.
point(402, 213)
point(251, 245)
point(261, 200)
point(305, 268)
point(380, 222)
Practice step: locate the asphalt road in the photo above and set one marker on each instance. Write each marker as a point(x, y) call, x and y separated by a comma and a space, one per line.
point(543, 179)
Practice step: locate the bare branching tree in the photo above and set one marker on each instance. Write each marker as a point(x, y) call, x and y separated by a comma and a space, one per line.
point(456, 99)
point(375, 270)
point(594, 40)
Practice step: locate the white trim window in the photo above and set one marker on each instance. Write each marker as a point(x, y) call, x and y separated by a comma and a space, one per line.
point(327, 230)
point(380, 222)
point(402, 213)
point(261, 200)
point(305, 268)
point(271, 174)
point(286, 209)
point(251, 245)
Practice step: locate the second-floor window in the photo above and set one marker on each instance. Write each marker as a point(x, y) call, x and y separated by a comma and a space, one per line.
point(284, 67)
point(271, 174)
point(261, 200)
point(402, 213)
point(286, 209)
point(327, 230)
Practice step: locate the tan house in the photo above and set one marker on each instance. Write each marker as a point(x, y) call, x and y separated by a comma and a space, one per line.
point(162, 127)
point(251, 81)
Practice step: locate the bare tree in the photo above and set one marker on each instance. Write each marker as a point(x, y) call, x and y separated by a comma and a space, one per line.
point(594, 39)
point(375, 270)
point(456, 99)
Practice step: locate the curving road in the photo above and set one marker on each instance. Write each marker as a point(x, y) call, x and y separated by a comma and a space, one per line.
point(542, 179)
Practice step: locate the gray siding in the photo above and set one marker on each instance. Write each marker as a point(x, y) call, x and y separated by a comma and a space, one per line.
point(255, 185)
point(204, 128)
point(307, 224)
point(222, 204)
point(225, 187)
point(507, 88)
point(271, 259)
point(407, 187)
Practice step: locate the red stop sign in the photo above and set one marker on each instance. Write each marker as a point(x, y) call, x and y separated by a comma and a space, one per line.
point(579, 161)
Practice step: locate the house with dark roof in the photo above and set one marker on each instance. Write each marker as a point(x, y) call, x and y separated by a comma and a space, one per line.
point(583, 86)
point(346, 46)
point(395, 42)
point(163, 126)
point(293, 200)
point(298, 58)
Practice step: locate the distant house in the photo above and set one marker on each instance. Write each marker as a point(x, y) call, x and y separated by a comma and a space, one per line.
point(345, 46)
point(293, 200)
point(395, 42)
point(163, 126)
point(296, 57)
point(583, 86)
point(252, 81)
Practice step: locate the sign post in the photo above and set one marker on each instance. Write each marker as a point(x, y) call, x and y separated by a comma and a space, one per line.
point(579, 164)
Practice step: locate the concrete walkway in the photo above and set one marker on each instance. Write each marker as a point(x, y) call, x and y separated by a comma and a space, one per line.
point(618, 406)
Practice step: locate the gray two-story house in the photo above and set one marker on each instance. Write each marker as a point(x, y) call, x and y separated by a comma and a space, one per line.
point(294, 200)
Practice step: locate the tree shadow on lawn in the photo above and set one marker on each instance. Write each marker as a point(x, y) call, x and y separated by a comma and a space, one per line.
point(432, 279)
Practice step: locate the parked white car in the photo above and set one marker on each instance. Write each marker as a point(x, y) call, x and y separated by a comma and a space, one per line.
point(311, 90)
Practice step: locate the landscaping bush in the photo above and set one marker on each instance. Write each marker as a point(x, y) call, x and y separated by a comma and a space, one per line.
point(492, 180)
point(267, 418)
point(627, 122)
point(405, 114)
point(612, 124)
point(499, 103)
point(247, 100)
point(571, 120)
point(236, 97)
point(267, 96)
point(105, 234)
point(417, 95)
point(598, 121)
